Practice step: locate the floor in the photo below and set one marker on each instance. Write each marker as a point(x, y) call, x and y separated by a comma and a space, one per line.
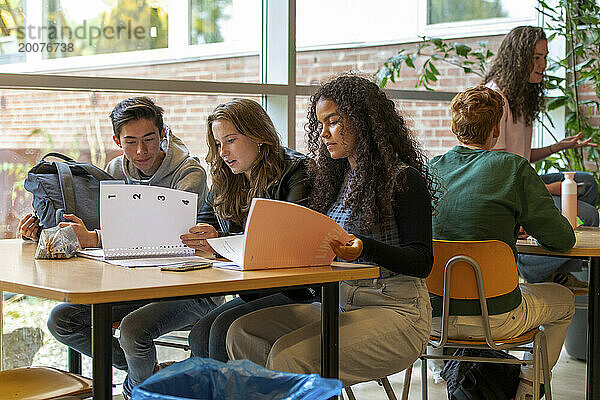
point(568, 382)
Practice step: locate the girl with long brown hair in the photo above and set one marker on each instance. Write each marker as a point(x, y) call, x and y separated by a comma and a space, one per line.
point(246, 161)
point(517, 73)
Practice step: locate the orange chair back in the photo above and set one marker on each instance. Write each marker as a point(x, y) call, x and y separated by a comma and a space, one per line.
point(495, 258)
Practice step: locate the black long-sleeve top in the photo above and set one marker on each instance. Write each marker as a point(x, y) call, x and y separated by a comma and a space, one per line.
point(412, 212)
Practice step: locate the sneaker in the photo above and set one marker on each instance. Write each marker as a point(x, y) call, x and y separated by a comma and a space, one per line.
point(567, 279)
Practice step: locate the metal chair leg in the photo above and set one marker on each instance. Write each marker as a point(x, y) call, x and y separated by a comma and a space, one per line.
point(388, 388)
point(349, 393)
point(546, 368)
point(423, 378)
point(407, 378)
point(536, 365)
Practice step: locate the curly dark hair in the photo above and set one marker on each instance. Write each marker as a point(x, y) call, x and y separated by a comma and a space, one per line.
point(511, 68)
point(386, 148)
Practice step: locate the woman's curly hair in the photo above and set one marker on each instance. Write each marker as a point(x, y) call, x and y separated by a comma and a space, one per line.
point(511, 69)
point(384, 148)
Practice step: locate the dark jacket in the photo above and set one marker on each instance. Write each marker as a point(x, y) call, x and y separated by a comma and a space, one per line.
point(294, 186)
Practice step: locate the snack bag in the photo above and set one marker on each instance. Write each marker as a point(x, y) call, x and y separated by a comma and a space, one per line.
point(57, 243)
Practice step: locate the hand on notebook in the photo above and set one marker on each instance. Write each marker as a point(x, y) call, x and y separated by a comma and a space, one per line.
point(196, 239)
point(86, 238)
point(350, 251)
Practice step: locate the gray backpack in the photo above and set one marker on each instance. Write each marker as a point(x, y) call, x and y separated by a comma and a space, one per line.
point(65, 187)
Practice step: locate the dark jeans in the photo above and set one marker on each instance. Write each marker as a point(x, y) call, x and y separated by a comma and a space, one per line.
point(141, 323)
point(207, 337)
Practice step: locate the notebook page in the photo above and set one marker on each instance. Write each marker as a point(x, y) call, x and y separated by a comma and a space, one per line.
point(145, 220)
point(230, 247)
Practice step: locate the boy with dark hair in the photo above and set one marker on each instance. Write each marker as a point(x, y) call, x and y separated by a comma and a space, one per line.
point(489, 195)
point(152, 155)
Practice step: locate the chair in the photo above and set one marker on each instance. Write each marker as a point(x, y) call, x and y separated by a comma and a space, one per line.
point(389, 391)
point(457, 274)
point(42, 383)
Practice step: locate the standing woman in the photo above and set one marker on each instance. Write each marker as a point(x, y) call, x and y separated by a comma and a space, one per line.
point(517, 73)
point(246, 161)
point(370, 177)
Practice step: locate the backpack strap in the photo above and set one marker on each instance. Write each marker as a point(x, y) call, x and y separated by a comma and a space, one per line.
point(65, 178)
point(58, 155)
point(96, 172)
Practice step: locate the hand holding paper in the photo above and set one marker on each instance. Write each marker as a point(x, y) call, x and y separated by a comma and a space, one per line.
point(349, 251)
point(196, 239)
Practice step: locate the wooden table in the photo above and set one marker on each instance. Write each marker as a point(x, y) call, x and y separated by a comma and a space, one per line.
point(587, 246)
point(102, 285)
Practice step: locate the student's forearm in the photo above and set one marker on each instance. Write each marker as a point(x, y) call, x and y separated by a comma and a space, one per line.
point(542, 152)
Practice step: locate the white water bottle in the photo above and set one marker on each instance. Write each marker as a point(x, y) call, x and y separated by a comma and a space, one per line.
point(568, 197)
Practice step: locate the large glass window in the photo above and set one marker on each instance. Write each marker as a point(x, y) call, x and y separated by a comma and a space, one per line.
point(12, 14)
point(441, 11)
point(101, 26)
point(211, 40)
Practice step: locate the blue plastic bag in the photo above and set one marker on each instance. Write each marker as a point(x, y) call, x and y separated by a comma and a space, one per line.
point(207, 379)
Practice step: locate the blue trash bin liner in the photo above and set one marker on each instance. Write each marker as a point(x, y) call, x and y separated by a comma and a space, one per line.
point(207, 379)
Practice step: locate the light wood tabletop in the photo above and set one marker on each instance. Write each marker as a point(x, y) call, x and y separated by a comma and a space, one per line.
point(587, 245)
point(87, 281)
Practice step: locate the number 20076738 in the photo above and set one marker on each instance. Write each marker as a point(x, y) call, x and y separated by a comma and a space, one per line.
point(50, 47)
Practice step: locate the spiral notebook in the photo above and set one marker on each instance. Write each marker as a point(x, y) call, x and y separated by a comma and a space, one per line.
point(139, 221)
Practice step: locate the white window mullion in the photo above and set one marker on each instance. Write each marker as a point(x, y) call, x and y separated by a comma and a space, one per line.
point(33, 23)
point(179, 25)
point(278, 64)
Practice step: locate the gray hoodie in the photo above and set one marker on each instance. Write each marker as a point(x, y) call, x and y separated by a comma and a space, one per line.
point(178, 170)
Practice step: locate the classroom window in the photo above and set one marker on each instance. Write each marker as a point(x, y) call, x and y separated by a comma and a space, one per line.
point(443, 11)
point(12, 14)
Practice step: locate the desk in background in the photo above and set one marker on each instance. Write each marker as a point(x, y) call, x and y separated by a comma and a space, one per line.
point(587, 246)
point(86, 281)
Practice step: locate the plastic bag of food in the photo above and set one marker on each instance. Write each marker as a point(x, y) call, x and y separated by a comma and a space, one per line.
point(57, 243)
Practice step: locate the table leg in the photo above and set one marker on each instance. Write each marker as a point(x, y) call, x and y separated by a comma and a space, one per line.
point(593, 348)
point(330, 334)
point(74, 360)
point(102, 351)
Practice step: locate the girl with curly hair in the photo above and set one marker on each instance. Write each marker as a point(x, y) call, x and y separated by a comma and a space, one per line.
point(369, 176)
point(246, 160)
point(517, 72)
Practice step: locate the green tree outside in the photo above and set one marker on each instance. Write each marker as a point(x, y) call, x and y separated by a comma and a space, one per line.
point(440, 11)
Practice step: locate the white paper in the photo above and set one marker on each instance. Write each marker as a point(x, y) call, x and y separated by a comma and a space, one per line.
point(229, 247)
point(98, 254)
point(142, 220)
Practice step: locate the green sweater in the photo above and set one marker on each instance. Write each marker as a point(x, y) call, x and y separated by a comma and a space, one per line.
point(489, 195)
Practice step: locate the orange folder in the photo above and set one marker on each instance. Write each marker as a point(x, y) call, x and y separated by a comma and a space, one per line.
point(279, 234)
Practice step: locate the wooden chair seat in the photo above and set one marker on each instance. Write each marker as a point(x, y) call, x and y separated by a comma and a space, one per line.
point(42, 383)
